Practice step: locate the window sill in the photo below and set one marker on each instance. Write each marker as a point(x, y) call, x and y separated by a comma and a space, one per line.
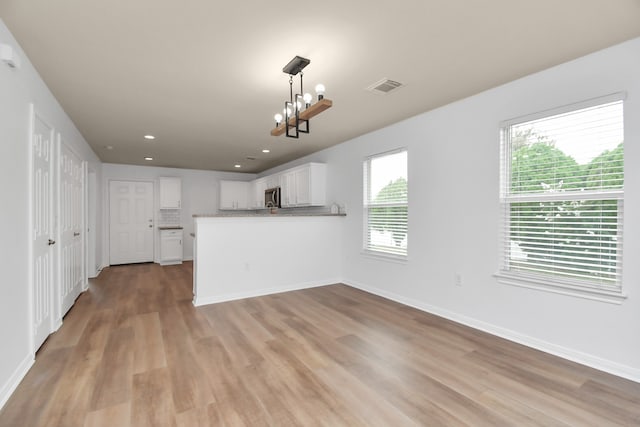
point(381, 256)
point(595, 294)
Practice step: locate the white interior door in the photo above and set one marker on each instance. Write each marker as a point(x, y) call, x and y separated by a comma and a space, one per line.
point(71, 227)
point(42, 230)
point(130, 222)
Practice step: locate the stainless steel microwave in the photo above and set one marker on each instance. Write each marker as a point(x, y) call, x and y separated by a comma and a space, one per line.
point(272, 197)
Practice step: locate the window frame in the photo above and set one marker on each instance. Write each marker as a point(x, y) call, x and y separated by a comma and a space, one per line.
point(366, 206)
point(549, 282)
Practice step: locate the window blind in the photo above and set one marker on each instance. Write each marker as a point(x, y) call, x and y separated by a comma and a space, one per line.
point(386, 203)
point(563, 196)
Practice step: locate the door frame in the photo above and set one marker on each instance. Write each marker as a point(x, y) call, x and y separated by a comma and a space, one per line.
point(92, 224)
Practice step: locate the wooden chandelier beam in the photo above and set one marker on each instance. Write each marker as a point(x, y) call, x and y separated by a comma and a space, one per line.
point(307, 114)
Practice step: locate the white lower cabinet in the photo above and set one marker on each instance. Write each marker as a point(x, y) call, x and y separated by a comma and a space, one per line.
point(170, 246)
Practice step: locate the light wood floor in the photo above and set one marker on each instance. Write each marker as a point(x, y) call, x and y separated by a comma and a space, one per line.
point(133, 351)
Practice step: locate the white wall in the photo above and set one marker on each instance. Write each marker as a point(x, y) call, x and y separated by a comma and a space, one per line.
point(454, 215)
point(200, 195)
point(19, 88)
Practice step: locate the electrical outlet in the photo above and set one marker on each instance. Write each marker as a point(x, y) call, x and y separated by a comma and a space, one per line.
point(457, 279)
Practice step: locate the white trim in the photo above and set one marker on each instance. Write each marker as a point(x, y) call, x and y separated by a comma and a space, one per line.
point(565, 195)
point(262, 292)
point(579, 291)
point(386, 153)
point(14, 380)
point(30, 278)
point(595, 362)
point(606, 99)
point(385, 256)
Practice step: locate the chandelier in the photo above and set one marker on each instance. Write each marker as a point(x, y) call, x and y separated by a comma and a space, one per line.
point(298, 110)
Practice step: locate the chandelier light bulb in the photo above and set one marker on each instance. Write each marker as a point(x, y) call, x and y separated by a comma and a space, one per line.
point(307, 99)
point(320, 91)
point(278, 118)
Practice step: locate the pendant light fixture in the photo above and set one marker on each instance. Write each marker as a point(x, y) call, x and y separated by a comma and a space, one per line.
point(299, 109)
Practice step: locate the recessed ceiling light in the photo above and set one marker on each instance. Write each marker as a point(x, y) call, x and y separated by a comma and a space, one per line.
point(109, 147)
point(237, 166)
point(148, 158)
point(149, 137)
point(266, 151)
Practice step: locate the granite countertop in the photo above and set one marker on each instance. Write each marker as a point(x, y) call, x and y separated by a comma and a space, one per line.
point(264, 215)
point(170, 227)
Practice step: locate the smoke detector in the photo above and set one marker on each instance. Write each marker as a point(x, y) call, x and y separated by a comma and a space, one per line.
point(384, 86)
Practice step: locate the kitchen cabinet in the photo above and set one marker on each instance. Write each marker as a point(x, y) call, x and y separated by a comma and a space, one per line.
point(273, 180)
point(257, 193)
point(234, 195)
point(170, 246)
point(170, 192)
point(305, 185)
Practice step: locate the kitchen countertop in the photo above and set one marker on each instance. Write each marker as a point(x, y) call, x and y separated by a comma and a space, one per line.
point(263, 215)
point(170, 227)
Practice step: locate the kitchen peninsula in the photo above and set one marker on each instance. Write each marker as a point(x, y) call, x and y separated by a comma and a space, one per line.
point(241, 255)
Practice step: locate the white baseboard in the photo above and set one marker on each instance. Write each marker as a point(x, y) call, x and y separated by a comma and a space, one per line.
point(261, 292)
point(12, 383)
point(595, 362)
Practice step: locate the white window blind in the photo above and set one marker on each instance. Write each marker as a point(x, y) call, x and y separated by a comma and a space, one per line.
point(386, 203)
point(562, 194)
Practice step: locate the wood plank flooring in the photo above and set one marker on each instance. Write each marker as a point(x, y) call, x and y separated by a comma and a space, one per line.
point(134, 352)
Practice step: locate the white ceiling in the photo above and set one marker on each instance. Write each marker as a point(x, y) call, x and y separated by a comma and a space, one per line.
point(205, 77)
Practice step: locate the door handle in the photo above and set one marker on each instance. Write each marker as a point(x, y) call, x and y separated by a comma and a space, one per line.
point(76, 234)
point(52, 242)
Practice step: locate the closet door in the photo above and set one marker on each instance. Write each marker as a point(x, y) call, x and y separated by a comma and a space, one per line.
point(42, 228)
point(71, 226)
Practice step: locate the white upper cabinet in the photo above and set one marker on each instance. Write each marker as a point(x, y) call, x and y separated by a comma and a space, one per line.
point(170, 192)
point(272, 180)
point(305, 185)
point(257, 193)
point(234, 195)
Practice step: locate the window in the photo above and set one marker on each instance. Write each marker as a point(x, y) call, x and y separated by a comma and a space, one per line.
point(562, 193)
point(386, 204)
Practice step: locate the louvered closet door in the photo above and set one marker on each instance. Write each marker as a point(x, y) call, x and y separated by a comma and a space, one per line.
point(71, 227)
point(42, 232)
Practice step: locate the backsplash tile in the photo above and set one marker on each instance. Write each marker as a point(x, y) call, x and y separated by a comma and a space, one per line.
point(169, 217)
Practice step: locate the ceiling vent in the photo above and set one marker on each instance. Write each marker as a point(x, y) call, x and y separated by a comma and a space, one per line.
point(384, 86)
